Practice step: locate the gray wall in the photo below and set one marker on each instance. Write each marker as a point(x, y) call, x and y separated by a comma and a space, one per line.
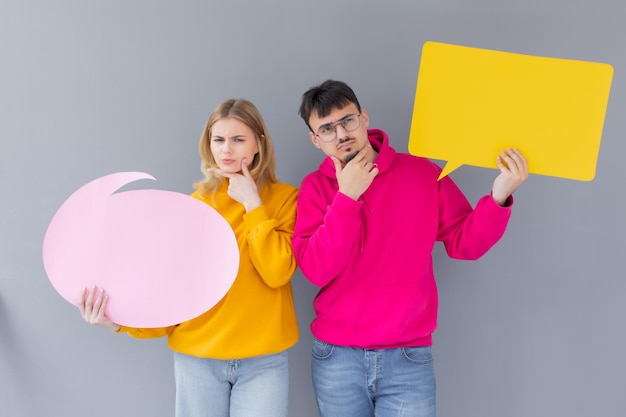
point(87, 88)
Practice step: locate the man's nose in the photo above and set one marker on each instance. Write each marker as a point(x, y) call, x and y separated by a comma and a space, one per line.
point(341, 131)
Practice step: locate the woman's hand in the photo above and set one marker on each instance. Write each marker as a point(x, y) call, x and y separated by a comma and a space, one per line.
point(241, 187)
point(92, 304)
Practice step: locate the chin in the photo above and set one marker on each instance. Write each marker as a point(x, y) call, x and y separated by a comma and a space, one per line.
point(229, 170)
point(349, 157)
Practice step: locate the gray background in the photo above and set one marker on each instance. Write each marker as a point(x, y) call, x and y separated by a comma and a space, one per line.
point(88, 88)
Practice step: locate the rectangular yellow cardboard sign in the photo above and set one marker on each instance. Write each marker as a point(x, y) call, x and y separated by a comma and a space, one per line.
point(470, 103)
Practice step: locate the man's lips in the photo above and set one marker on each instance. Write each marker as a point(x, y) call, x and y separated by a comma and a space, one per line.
point(347, 144)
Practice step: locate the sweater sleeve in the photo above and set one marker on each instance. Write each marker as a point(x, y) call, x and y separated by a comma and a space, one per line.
point(465, 232)
point(146, 333)
point(325, 234)
point(269, 239)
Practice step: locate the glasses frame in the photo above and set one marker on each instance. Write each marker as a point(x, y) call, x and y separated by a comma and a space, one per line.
point(337, 123)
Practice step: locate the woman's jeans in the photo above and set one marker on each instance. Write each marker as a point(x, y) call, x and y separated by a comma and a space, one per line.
point(352, 382)
point(251, 387)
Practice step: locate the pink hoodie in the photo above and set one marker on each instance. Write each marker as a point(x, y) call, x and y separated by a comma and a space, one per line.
point(372, 258)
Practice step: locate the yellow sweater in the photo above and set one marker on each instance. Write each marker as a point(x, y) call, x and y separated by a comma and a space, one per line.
point(257, 315)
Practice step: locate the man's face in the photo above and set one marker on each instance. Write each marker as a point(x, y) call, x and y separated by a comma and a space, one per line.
point(346, 144)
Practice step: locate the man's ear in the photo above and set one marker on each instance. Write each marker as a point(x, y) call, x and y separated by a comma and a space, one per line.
point(365, 118)
point(314, 140)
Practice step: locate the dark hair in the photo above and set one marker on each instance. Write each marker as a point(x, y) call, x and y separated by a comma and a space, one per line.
point(323, 98)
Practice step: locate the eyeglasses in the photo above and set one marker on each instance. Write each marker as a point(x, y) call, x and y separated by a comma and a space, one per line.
point(328, 132)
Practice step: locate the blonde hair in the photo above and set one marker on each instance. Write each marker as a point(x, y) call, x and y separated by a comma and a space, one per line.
point(263, 166)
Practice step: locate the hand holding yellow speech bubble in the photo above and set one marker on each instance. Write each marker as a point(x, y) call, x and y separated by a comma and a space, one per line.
point(470, 103)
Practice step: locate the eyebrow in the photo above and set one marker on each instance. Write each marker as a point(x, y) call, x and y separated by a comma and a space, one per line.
point(232, 137)
point(337, 121)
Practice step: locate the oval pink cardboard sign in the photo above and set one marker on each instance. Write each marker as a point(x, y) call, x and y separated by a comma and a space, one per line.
point(162, 257)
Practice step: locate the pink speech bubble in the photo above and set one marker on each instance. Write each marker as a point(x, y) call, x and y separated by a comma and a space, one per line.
point(162, 257)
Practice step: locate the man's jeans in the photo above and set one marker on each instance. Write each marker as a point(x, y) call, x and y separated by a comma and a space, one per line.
point(352, 382)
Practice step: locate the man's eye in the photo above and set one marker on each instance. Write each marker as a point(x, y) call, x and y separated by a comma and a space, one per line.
point(324, 130)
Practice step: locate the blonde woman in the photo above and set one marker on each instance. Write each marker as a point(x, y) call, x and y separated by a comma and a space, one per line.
point(232, 361)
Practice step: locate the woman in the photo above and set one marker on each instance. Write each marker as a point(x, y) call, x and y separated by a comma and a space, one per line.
point(232, 360)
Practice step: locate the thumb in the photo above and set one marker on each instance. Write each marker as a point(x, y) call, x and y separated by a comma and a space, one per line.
point(244, 169)
point(218, 172)
point(337, 163)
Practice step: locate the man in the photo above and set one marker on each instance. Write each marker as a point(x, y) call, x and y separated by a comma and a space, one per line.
point(367, 222)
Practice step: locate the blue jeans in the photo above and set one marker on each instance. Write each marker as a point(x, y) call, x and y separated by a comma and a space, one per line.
point(251, 387)
point(352, 382)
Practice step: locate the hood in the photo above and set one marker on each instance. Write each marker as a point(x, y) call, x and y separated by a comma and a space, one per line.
point(380, 142)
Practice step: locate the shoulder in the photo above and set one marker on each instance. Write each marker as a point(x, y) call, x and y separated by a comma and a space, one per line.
point(283, 188)
point(280, 193)
point(424, 165)
point(199, 196)
point(315, 179)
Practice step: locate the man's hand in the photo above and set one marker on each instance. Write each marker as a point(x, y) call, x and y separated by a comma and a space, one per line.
point(513, 172)
point(357, 175)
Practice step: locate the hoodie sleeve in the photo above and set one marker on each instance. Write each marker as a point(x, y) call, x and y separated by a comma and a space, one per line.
point(465, 232)
point(324, 232)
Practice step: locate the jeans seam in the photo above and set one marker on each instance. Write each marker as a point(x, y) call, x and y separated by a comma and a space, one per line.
point(324, 345)
point(416, 361)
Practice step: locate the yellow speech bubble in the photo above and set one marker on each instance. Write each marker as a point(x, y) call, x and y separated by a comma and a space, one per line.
point(470, 103)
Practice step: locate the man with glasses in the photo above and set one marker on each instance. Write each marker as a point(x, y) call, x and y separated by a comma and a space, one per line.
point(367, 222)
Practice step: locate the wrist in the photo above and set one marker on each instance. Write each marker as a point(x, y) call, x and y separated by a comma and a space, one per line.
point(252, 205)
point(502, 202)
point(350, 195)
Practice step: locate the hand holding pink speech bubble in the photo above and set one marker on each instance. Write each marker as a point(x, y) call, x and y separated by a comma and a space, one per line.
point(471, 103)
point(162, 257)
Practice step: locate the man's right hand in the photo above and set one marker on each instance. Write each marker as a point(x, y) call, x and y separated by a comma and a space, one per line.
point(355, 177)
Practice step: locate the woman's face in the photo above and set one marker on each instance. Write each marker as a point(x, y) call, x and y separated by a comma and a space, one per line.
point(231, 142)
